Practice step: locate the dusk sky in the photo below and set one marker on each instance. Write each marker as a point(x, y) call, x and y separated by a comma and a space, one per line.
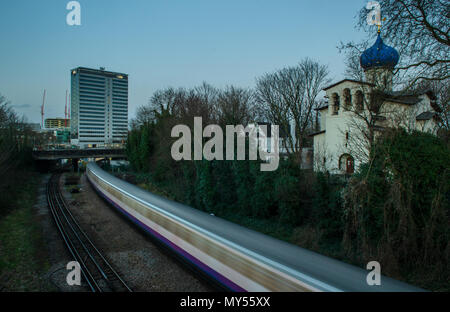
point(164, 43)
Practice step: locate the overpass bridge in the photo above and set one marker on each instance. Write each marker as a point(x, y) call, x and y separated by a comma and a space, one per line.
point(73, 153)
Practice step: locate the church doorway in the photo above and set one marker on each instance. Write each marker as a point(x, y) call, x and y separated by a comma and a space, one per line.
point(347, 164)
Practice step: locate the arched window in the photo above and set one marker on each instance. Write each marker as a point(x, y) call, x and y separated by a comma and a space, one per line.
point(347, 99)
point(346, 164)
point(359, 101)
point(336, 104)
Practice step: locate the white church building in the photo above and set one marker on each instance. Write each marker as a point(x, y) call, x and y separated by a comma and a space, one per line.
point(359, 110)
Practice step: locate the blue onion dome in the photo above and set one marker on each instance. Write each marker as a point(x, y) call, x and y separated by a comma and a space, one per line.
point(379, 55)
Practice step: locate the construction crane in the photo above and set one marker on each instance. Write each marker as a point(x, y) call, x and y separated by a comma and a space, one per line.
point(42, 109)
point(68, 109)
point(65, 113)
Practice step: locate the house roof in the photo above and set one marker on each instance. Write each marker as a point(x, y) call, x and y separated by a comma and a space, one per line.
point(425, 116)
point(433, 101)
point(321, 107)
point(378, 128)
point(428, 92)
point(379, 118)
point(317, 133)
point(412, 98)
point(403, 99)
point(350, 80)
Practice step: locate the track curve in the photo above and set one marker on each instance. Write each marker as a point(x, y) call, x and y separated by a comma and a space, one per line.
point(97, 272)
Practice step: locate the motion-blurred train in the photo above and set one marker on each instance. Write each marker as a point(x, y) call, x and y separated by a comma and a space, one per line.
point(237, 258)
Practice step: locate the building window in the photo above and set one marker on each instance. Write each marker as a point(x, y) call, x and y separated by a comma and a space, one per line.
point(336, 104)
point(347, 99)
point(359, 101)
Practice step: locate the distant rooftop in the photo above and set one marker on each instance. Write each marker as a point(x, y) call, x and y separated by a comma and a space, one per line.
point(101, 71)
point(425, 116)
point(350, 80)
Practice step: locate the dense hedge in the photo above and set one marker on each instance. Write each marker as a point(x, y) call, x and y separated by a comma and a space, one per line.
point(397, 207)
point(223, 187)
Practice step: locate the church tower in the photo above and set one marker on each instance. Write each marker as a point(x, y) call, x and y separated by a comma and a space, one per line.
point(378, 63)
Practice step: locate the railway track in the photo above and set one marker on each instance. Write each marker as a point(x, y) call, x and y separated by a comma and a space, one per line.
point(97, 272)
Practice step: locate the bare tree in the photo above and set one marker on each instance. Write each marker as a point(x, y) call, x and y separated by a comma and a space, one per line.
point(180, 104)
point(166, 100)
point(441, 91)
point(419, 30)
point(161, 101)
point(208, 95)
point(145, 114)
point(12, 135)
point(289, 96)
point(235, 106)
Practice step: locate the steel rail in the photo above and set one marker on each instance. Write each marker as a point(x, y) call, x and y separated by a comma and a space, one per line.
point(96, 252)
point(69, 244)
point(97, 271)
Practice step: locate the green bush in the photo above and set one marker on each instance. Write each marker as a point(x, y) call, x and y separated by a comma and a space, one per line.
point(397, 206)
point(327, 212)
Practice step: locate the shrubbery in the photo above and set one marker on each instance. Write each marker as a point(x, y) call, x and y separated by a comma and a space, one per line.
point(223, 187)
point(397, 206)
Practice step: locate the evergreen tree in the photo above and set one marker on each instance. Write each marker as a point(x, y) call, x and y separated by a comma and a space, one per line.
point(144, 149)
point(204, 193)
